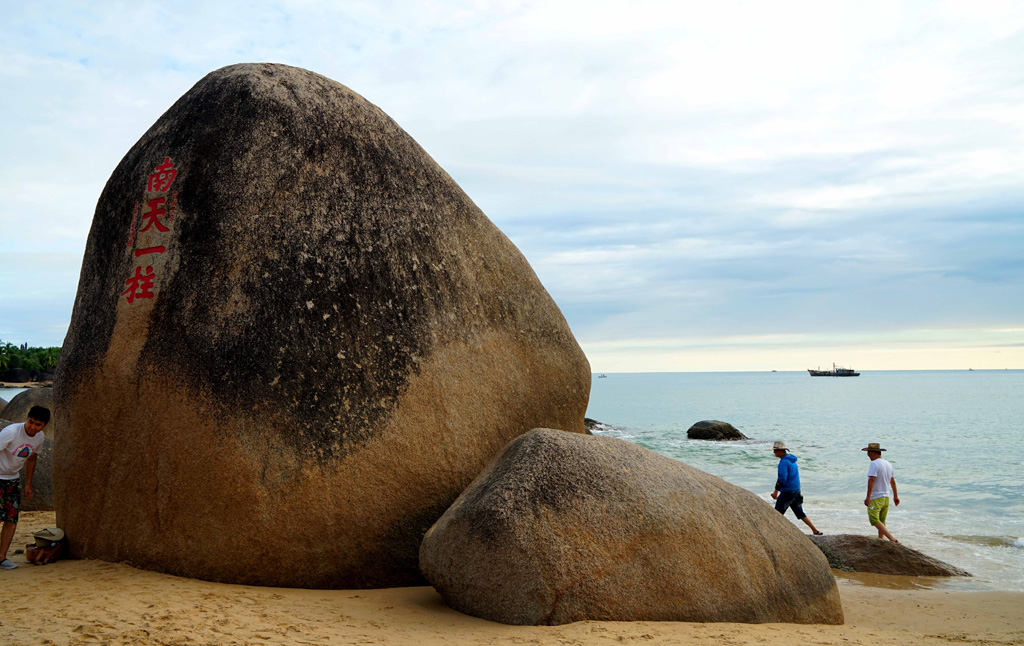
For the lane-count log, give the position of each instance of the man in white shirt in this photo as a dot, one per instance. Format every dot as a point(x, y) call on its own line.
point(19, 444)
point(881, 485)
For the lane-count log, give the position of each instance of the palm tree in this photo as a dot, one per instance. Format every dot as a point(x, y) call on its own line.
point(50, 357)
point(7, 351)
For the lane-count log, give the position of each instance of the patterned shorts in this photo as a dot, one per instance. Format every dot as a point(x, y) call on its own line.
point(10, 500)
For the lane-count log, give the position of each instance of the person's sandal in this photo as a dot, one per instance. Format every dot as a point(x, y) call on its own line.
point(819, 533)
point(7, 564)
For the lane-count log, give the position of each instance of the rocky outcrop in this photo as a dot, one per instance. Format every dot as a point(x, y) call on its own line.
point(3, 402)
point(295, 342)
point(562, 528)
point(714, 430)
point(17, 376)
point(42, 478)
point(856, 553)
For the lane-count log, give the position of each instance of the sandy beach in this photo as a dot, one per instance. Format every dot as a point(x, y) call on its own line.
point(94, 602)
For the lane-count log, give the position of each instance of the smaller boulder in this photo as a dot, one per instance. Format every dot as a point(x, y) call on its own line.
point(856, 553)
point(712, 429)
point(563, 527)
point(3, 402)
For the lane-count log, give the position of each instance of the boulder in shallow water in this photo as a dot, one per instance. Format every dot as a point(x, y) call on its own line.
point(295, 342)
point(711, 429)
point(563, 527)
point(856, 553)
point(42, 478)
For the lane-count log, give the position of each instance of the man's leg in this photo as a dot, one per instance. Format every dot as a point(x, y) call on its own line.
point(811, 525)
point(798, 509)
point(10, 499)
point(878, 510)
point(884, 533)
point(6, 536)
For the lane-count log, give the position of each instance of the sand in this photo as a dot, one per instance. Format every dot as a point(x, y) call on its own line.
point(94, 602)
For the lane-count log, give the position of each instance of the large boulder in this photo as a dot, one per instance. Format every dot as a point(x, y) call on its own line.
point(42, 478)
point(712, 429)
point(562, 528)
point(295, 342)
point(857, 553)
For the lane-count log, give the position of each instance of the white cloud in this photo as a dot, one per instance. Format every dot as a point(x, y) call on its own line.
point(690, 169)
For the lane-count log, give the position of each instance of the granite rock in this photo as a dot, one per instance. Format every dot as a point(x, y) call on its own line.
point(563, 527)
point(295, 341)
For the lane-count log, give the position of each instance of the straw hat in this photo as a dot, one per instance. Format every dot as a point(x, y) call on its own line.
point(873, 446)
point(46, 536)
point(779, 446)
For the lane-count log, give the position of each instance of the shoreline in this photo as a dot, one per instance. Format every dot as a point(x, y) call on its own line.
point(26, 384)
point(74, 602)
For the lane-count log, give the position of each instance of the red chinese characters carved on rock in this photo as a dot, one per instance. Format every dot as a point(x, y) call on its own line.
point(141, 285)
point(162, 177)
point(152, 216)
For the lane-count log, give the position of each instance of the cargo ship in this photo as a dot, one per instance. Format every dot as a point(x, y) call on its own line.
point(834, 372)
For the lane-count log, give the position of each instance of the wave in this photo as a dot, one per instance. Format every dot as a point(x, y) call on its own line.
point(990, 541)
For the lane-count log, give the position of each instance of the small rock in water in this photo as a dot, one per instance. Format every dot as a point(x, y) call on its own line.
point(712, 429)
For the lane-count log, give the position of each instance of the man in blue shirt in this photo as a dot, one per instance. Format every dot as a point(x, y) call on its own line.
point(787, 487)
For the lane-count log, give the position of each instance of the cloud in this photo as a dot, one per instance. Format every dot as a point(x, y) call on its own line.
point(696, 170)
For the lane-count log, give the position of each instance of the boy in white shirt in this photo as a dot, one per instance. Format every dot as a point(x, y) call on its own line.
point(881, 484)
point(19, 444)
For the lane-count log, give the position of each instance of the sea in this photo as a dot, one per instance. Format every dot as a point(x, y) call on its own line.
point(955, 440)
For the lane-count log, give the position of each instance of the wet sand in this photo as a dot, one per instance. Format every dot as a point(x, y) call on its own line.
point(94, 602)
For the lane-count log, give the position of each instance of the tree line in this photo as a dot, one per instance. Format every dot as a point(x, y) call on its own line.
point(28, 358)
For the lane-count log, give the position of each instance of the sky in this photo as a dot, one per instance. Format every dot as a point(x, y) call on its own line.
point(701, 186)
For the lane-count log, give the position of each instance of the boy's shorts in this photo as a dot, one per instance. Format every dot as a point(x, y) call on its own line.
point(10, 500)
point(878, 510)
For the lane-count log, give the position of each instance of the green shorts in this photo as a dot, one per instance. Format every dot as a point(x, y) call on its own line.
point(878, 510)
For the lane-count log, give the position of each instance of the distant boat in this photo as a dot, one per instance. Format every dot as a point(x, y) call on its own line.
point(602, 376)
point(834, 372)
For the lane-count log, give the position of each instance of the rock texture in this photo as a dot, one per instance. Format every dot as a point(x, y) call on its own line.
point(711, 429)
point(295, 342)
point(42, 478)
point(562, 528)
point(855, 553)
